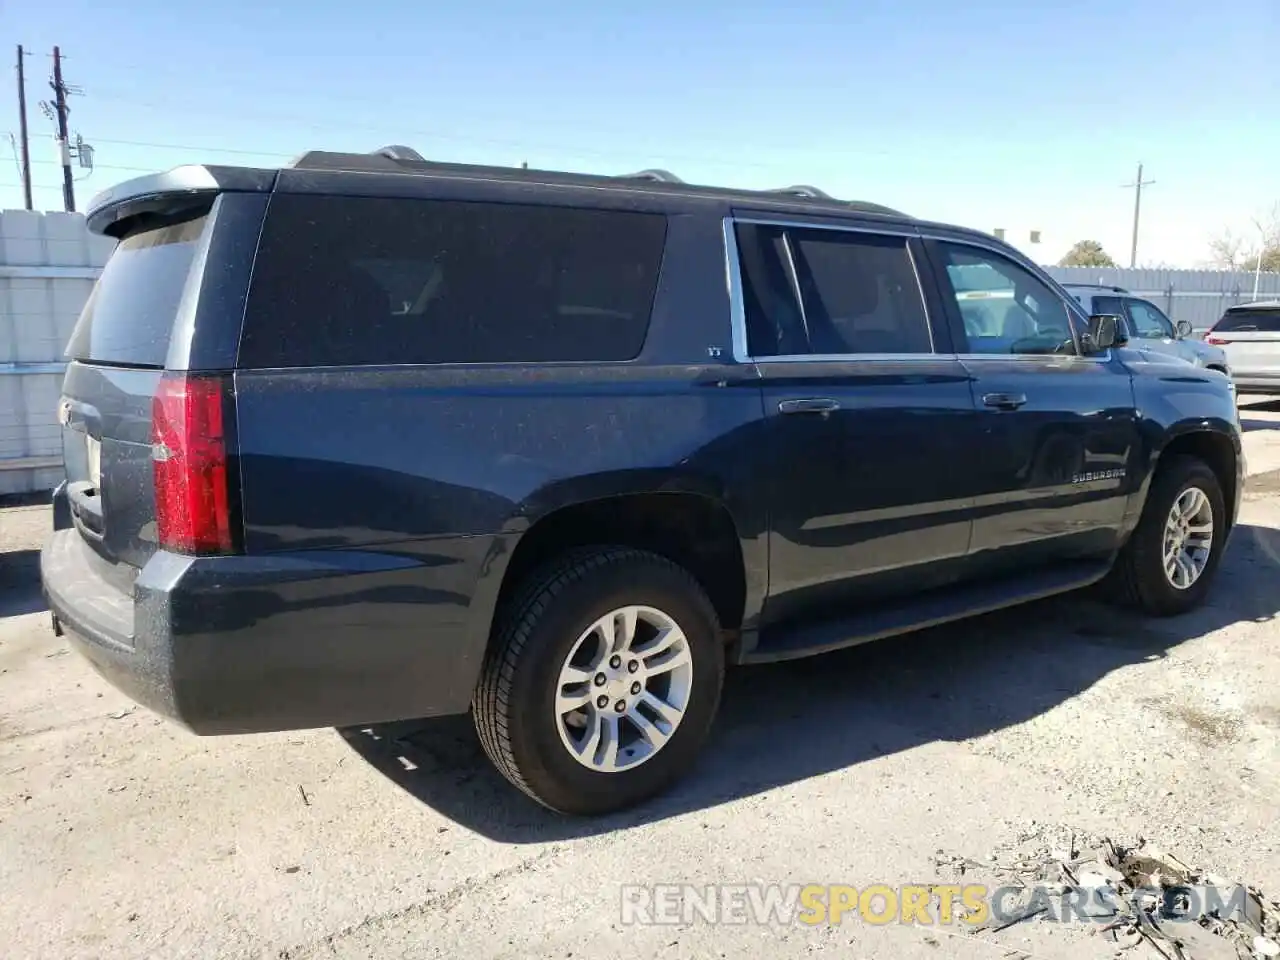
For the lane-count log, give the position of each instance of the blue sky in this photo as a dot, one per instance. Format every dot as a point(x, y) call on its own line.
point(984, 113)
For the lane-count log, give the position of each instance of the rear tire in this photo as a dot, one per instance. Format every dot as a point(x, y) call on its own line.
point(569, 621)
point(1144, 576)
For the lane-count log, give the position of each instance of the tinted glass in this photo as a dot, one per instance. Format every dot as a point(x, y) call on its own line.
point(1109, 305)
point(1248, 321)
point(344, 280)
point(1115, 307)
point(1006, 309)
point(1148, 322)
point(860, 293)
point(774, 327)
point(129, 316)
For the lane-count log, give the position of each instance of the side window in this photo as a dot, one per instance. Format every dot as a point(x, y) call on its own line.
point(1006, 308)
point(774, 325)
point(349, 280)
point(860, 293)
point(1148, 322)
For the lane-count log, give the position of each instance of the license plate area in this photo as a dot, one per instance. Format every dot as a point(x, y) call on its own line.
point(93, 456)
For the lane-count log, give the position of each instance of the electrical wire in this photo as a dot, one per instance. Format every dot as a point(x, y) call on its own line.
point(330, 125)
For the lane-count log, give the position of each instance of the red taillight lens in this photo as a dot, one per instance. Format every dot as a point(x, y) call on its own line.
point(189, 454)
point(1216, 341)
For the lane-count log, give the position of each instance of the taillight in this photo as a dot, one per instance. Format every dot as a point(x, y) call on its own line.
point(189, 455)
point(1215, 340)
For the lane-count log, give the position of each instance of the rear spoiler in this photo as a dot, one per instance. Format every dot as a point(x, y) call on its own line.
point(169, 193)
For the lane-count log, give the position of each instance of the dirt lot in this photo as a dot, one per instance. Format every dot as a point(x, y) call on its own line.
point(122, 836)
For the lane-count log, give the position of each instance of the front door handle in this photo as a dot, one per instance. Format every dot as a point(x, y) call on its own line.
point(1004, 401)
point(809, 405)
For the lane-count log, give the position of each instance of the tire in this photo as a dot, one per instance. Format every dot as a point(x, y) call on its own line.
point(1139, 579)
point(515, 707)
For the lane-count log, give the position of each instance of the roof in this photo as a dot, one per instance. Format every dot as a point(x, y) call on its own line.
point(404, 160)
point(1256, 305)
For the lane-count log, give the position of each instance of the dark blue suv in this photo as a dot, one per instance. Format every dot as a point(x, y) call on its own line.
point(370, 438)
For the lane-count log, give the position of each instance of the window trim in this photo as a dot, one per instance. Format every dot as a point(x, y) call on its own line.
point(737, 300)
point(1072, 309)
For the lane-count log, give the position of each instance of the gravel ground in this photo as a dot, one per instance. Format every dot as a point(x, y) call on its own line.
point(122, 836)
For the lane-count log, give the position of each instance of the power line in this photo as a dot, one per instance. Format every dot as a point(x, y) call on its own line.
point(331, 125)
point(102, 166)
point(190, 146)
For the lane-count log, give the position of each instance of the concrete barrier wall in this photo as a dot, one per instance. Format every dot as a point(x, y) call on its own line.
point(48, 264)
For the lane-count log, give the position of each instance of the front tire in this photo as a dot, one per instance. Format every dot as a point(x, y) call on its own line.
point(1168, 564)
point(602, 681)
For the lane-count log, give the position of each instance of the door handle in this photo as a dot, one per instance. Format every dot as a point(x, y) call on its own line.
point(1004, 401)
point(809, 405)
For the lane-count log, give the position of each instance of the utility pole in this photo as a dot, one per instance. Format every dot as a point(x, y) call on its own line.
point(64, 148)
point(1136, 186)
point(22, 128)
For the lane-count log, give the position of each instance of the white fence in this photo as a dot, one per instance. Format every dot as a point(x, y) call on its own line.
point(48, 263)
point(1197, 296)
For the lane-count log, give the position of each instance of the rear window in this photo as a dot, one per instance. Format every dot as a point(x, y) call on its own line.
point(130, 313)
point(1248, 321)
point(346, 280)
point(1108, 305)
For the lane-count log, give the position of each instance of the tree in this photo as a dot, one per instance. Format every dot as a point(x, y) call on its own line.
point(1087, 253)
point(1270, 260)
point(1232, 250)
point(1226, 250)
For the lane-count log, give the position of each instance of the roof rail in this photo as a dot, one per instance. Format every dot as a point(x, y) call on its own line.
point(803, 190)
point(396, 151)
point(654, 174)
point(866, 206)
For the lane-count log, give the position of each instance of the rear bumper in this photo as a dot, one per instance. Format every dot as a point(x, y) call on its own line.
point(253, 644)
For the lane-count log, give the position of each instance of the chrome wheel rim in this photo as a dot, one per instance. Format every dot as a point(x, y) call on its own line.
point(623, 689)
point(1188, 538)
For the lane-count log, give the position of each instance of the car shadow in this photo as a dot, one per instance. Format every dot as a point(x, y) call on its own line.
point(1248, 425)
point(20, 583)
point(783, 723)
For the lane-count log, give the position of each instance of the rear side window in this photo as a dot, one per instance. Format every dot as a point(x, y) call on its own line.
point(130, 314)
point(1108, 305)
point(1249, 321)
point(774, 324)
point(345, 280)
point(860, 293)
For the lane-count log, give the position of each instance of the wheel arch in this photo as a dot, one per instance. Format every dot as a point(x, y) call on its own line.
point(1218, 448)
point(688, 518)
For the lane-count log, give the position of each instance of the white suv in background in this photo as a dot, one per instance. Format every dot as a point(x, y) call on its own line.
point(1249, 335)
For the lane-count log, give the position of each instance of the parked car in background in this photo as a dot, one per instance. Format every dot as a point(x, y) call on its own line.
point(1147, 327)
point(1249, 335)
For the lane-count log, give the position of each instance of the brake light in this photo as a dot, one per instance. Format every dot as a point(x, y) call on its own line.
point(189, 459)
point(1215, 340)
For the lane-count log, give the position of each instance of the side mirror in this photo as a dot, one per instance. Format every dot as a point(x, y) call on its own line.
point(1183, 328)
point(1105, 332)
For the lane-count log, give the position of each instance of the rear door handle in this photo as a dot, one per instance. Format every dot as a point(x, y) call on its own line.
point(809, 405)
point(1004, 401)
